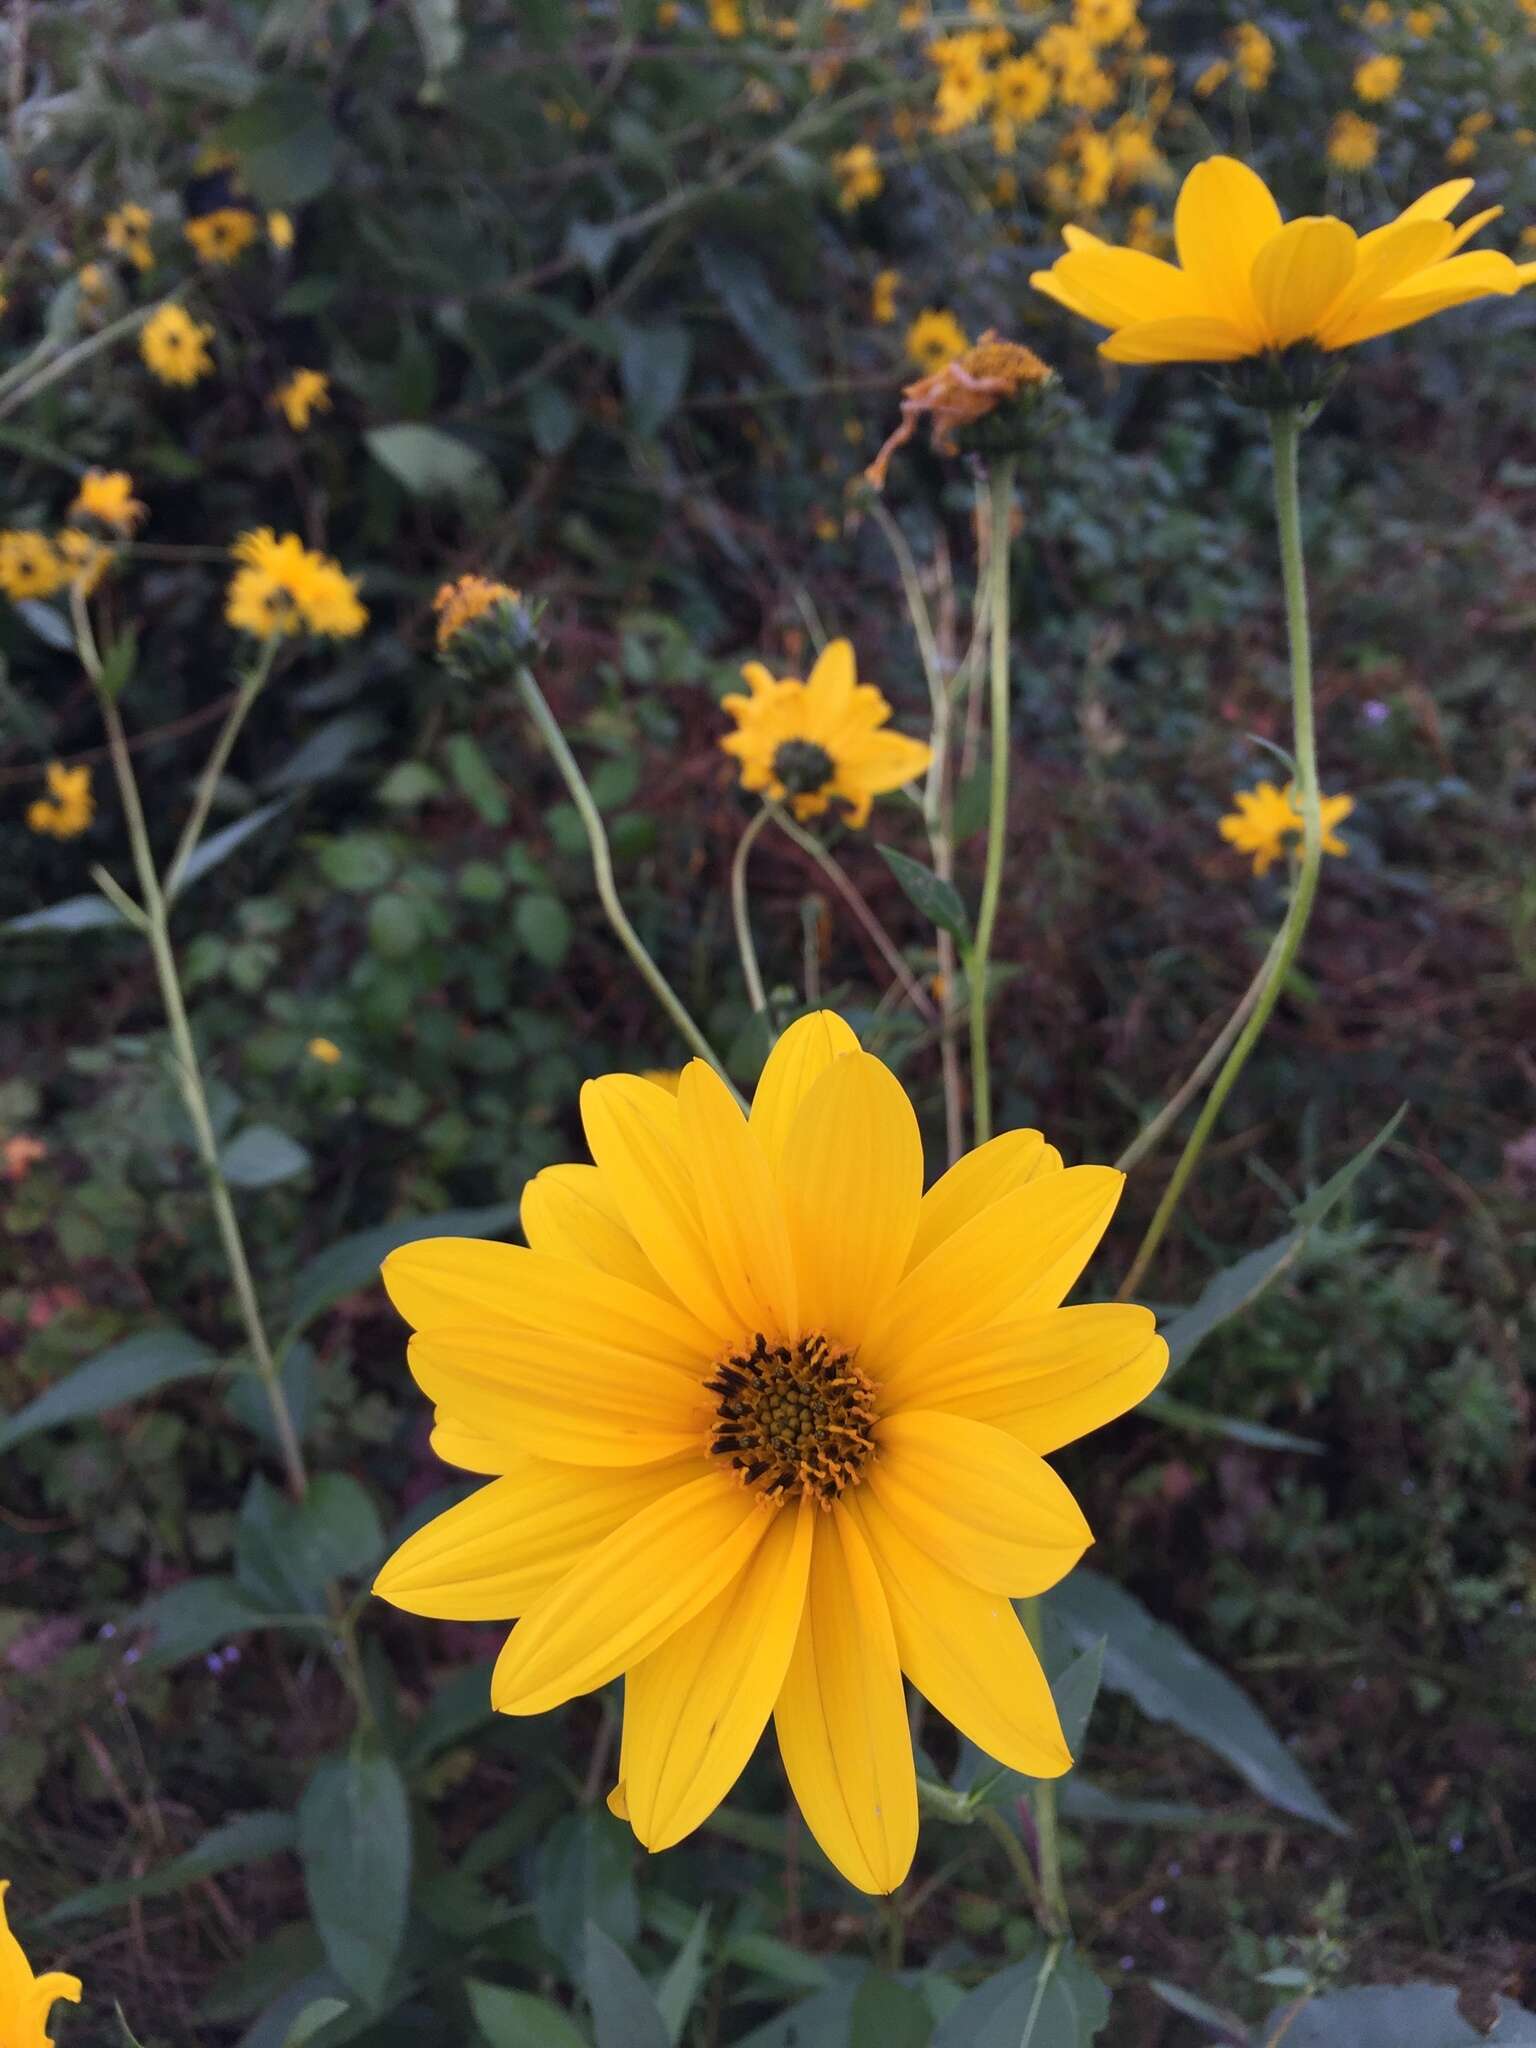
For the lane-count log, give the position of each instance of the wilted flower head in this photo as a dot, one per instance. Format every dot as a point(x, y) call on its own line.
point(106, 495)
point(484, 627)
point(283, 588)
point(64, 812)
point(86, 559)
point(987, 394)
point(25, 1998)
point(175, 346)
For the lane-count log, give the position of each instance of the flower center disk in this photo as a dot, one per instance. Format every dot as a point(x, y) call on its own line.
point(803, 767)
point(793, 1418)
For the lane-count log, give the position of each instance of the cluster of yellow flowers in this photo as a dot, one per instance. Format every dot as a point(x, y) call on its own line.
point(35, 565)
point(282, 588)
point(68, 807)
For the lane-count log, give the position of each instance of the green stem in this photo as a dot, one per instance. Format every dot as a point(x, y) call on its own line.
point(19, 386)
point(741, 916)
point(602, 870)
point(1051, 1909)
point(979, 958)
point(1017, 1854)
point(208, 782)
point(1285, 428)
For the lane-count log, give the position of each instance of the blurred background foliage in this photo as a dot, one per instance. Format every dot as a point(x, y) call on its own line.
point(608, 309)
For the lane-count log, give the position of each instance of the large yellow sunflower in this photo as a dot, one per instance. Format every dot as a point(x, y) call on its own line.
point(815, 741)
point(1248, 283)
point(768, 1426)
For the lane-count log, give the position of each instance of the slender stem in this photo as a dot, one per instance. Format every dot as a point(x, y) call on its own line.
point(1151, 1132)
point(1017, 1854)
point(741, 915)
point(17, 388)
point(208, 782)
point(1285, 428)
point(602, 870)
point(1051, 1907)
point(849, 890)
point(979, 959)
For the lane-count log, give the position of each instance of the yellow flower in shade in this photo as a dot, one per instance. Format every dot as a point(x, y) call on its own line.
point(935, 338)
point(859, 176)
point(882, 297)
point(768, 1428)
point(301, 396)
point(86, 559)
point(280, 231)
point(1254, 56)
point(325, 1050)
point(1459, 151)
point(1352, 142)
point(282, 587)
point(95, 286)
point(1104, 21)
point(1021, 90)
point(1074, 61)
point(725, 19)
point(965, 82)
point(223, 236)
point(1267, 823)
point(470, 597)
point(175, 346)
point(1248, 285)
point(64, 813)
point(126, 234)
point(1377, 78)
point(1421, 21)
point(106, 495)
point(25, 1998)
point(30, 565)
point(810, 743)
point(994, 378)
point(1212, 78)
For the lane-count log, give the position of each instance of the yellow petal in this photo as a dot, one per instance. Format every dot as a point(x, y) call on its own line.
point(975, 1182)
point(965, 1650)
point(1224, 215)
point(453, 1281)
point(1480, 274)
point(1181, 341)
point(1382, 260)
point(977, 1500)
point(564, 1398)
point(792, 1069)
point(1468, 228)
point(852, 1176)
point(841, 1718)
point(568, 1213)
point(635, 1133)
point(830, 687)
point(1440, 201)
point(1047, 1381)
point(1017, 1258)
point(1298, 274)
point(739, 1202)
point(628, 1594)
point(694, 1709)
point(883, 761)
point(469, 1450)
point(1118, 287)
point(490, 1557)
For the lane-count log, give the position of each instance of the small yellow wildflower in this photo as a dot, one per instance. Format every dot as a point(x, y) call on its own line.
point(1528, 236)
point(305, 393)
point(1144, 232)
point(1135, 155)
point(1477, 123)
point(882, 297)
point(914, 15)
point(1460, 150)
point(63, 813)
point(1021, 89)
point(106, 495)
point(859, 176)
point(126, 234)
point(1212, 78)
point(965, 82)
point(1352, 142)
point(1267, 823)
point(725, 19)
point(1254, 54)
point(224, 235)
point(936, 338)
point(86, 559)
point(280, 231)
point(282, 588)
point(1421, 21)
point(95, 286)
point(325, 1050)
point(457, 604)
point(175, 346)
point(24, 1997)
point(1377, 14)
point(1103, 21)
point(29, 565)
point(1378, 77)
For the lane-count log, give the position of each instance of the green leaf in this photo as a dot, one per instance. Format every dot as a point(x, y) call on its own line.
point(756, 309)
point(553, 420)
point(74, 914)
point(1225, 2025)
point(125, 1372)
point(889, 2015)
point(249, 1838)
point(317, 2014)
point(395, 926)
point(1051, 2000)
point(117, 664)
point(327, 750)
point(432, 464)
point(1170, 1681)
point(358, 862)
point(680, 1987)
point(285, 143)
point(287, 1551)
point(50, 626)
point(653, 370)
point(543, 924)
point(1398, 2016)
point(355, 1842)
point(1316, 1206)
point(1082, 1800)
point(261, 1156)
point(190, 56)
point(516, 2019)
point(821, 2021)
point(353, 1262)
point(477, 780)
point(223, 843)
point(1203, 1422)
point(584, 1871)
point(189, 1618)
point(938, 900)
point(623, 2011)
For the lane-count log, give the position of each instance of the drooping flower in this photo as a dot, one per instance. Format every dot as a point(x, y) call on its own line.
point(25, 1998)
point(1248, 285)
point(1352, 141)
point(993, 382)
point(935, 338)
point(223, 236)
point(767, 1427)
point(126, 234)
point(1268, 823)
point(282, 587)
point(301, 396)
point(1378, 77)
point(29, 565)
point(106, 495)
point(859, 176)
point(175, 346)
point(68, 808)
point(811, 743)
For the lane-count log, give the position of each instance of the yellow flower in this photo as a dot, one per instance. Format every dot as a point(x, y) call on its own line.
point(1021, 89)
point(175, 346)
point(1212, 78)
point(280, 231)
point(1460, 151)
point(1421, 21)
point(126, 233)
point(725, 18)
point(222, 236)
point(63, 813)
point(456, 604)
point(29, 565)
point(95, 285)
point(936, 338)
point(810, 743)
point(1144, 232)
point(996, 377)
point(1378, 77)
point(1478, 123)
point(882, 297)
point(1267, 820)
point(86, 559)
point(1352, 142)
point(1104, 21)
point(1528, 237)
point(1255, 55)
point(283, 587)
point(305, 393)
point(768, 1428)
point(24, 1997)
point(325, 1050)
point(1247, 285)
point(107, 495)
point(1377, 14)
point(859, 176)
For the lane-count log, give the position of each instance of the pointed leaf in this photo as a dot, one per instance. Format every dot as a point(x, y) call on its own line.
point(355, 1841)
point(623, 2011)
point(249, 1838)
point(938, 900)
point(1050, 2000)
point(126, 1372)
